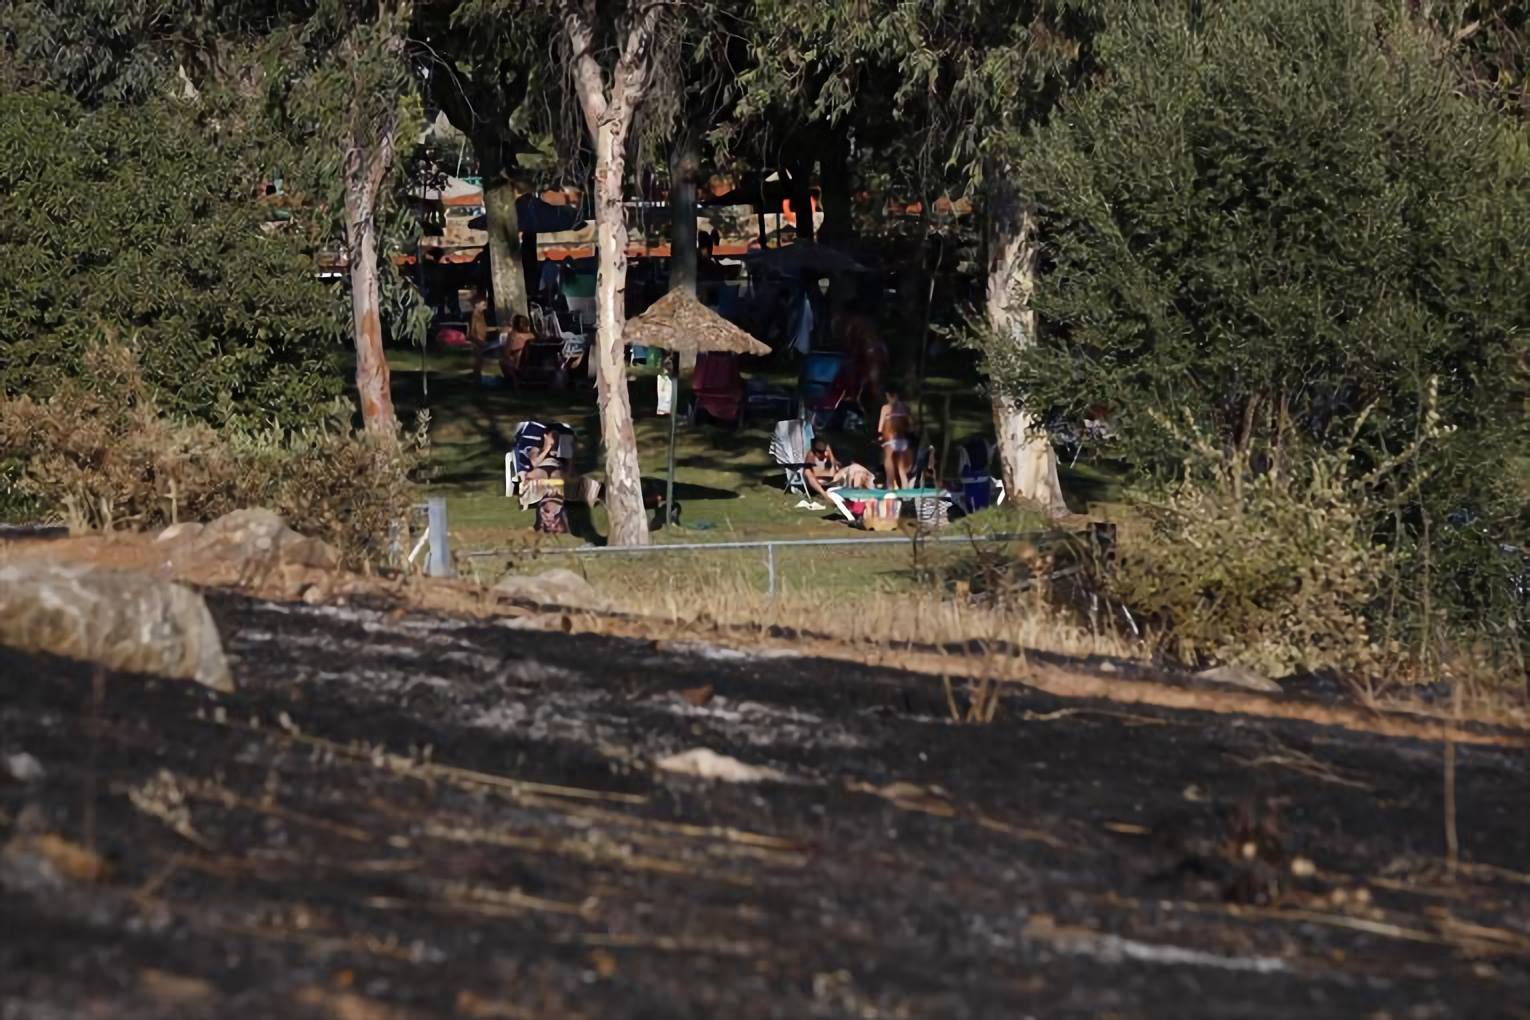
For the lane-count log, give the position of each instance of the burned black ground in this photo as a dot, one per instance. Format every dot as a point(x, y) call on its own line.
point(413, 815)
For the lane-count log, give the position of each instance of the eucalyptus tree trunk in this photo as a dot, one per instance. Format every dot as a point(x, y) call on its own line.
point(506, 274)
point(365, 169)
point(1028, 460)
point(838, 203)
point(801, 193)
point(609, 119)
point(684, 166)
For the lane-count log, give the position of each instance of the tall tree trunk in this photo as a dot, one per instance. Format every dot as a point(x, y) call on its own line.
point(834, 181)
point(506, 273)
point(802, 197)
point(609, 117)
point(531, 270)
point(684, 165)
point(1026, 454)
point(364, 170)
point(624, 480)
point(373, 385)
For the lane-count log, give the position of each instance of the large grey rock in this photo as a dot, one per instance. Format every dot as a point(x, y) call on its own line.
point(248, 543)
point(557, 587)
point(128, 622)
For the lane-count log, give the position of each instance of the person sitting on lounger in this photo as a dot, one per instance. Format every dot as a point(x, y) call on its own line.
point(822, 468)
point(545, 466)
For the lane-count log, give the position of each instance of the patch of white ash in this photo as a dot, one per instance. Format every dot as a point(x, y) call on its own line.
point(719, 653)
point(760, 725)
point(576, 716)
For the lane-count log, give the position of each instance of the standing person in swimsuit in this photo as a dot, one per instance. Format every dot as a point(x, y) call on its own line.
point(478, 333)
point(514, 351)
point(893, 428)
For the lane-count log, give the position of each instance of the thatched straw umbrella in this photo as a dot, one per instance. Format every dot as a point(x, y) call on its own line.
point(678, 322)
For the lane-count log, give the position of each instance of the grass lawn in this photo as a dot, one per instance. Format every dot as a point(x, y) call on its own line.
point(726, 483)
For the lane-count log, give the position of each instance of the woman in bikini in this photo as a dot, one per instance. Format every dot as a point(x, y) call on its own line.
point(893, 428)
point(514, 351)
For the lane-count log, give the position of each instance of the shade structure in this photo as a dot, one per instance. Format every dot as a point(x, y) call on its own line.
point(680, 323)
point(535, 215)
point(804, 257)
point(751, 191)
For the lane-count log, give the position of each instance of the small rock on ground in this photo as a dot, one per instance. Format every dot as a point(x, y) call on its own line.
point(708, 764)
point(21, 767)
point(1238, 676)
point(558, 587)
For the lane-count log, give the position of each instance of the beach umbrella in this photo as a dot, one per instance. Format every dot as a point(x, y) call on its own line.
point(679, 323)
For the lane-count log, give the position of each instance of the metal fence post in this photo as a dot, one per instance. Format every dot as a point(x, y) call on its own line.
point(770, 569)
point(440, 561)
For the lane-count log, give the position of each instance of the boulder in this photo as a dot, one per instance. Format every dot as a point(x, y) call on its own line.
point(128, 622)
point(1238, 676)
point(259, 534)
point(557, 587)
point(246, 545)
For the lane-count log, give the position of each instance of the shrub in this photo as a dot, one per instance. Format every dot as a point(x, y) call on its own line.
point(101, 452)
point(1271, 570)
point(1269, 213)
point(132, 220)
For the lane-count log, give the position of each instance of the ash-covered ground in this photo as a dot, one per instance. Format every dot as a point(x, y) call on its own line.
point(410, 815)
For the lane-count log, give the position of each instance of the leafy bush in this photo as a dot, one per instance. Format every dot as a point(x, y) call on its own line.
point(1271, 214)
point(133, 221)
point(1274, 569)
point(103, 453)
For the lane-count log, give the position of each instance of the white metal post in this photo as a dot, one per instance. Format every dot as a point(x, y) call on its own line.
point(440, 561)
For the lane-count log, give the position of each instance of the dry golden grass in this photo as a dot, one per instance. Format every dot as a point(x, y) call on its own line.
point(875, 617)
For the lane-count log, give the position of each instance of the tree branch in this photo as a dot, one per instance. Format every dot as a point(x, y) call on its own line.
point(578, 18)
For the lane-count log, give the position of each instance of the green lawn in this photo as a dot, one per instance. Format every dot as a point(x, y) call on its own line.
point(726, 483)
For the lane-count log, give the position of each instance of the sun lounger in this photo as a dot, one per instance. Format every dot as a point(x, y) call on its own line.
point(843, 497)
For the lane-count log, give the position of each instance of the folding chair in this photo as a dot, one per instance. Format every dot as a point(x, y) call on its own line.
point(789, 444)
point(974, 458)
point(717, 388)
point(826, 387)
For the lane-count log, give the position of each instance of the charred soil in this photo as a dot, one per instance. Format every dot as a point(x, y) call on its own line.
point(410, 814)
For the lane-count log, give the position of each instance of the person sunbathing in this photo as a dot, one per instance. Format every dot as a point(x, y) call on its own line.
point(855, 476)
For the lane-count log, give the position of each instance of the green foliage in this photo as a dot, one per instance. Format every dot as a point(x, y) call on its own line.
point(103, 453)
point(952, 82)
point(103, 50)
point(1261, 562)
point(131, 222)
point(1277, 213)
